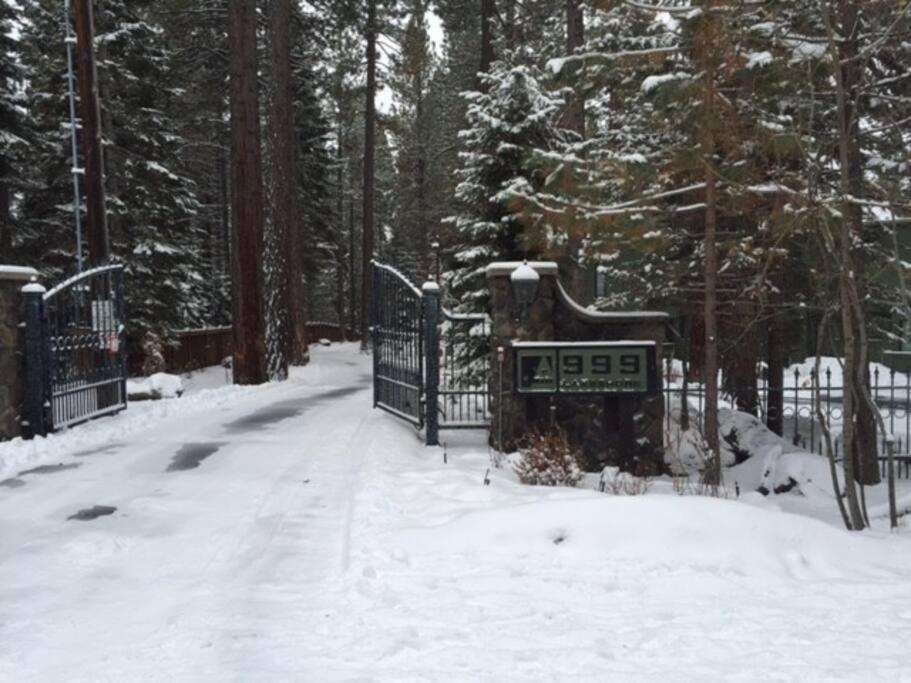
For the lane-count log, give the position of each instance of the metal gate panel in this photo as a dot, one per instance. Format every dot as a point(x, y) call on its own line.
point(398, 345)
point(464, 393)
point(86, 347)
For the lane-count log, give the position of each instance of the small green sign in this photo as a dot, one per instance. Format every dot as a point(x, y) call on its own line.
point(586, 368)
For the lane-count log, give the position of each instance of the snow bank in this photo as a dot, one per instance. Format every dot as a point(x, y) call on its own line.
point(155, 387)
point(654, 534)
point(755, 458)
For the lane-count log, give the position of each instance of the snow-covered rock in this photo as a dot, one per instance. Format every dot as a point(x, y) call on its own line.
point(754, 457)
point(155, 387)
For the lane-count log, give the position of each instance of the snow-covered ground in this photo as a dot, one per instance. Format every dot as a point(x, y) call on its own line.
point(290, 533)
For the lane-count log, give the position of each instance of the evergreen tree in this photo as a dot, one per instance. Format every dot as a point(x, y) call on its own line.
point(195, 39)
point(45, 237)
point(509, 126)
point(14, 132)
point(151, 206)
point(419, 188)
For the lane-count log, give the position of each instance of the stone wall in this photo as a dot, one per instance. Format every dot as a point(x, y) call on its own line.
point(12, 279)
point(623, 431)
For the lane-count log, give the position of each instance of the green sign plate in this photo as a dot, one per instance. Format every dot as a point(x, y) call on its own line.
point(585, 368)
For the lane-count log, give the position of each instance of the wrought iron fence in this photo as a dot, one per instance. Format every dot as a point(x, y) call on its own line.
point(803, 397)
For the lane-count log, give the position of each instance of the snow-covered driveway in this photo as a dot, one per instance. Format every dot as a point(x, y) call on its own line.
point(225, 520)
point(289, 533)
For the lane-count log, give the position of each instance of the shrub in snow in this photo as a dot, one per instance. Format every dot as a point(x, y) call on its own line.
point(546, 458)
point(153, 354)
point(619, 483)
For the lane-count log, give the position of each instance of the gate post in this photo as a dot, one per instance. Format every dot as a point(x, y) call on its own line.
point(34, 416)
point(431, 292)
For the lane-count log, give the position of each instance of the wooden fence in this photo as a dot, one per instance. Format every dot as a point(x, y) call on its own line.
point(203, 348)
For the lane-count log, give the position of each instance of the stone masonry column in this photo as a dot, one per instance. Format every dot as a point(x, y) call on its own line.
point(519, 412)
point(626, 431)
point(12, 279)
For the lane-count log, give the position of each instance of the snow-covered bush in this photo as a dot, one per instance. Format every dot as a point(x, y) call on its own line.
point(158, 386)
point(153, 354)
point(547, 458)
point(618, 483)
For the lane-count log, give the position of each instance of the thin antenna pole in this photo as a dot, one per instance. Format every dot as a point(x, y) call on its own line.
point(76, 171)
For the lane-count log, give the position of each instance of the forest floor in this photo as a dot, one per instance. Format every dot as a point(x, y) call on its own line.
point(290, 533)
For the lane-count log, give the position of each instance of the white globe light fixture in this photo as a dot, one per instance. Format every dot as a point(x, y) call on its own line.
point(524, 280)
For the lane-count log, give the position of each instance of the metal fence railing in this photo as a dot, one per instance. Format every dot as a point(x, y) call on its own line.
point(802, 397)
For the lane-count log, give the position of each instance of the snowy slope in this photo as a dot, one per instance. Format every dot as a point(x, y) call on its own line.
point(290, 533)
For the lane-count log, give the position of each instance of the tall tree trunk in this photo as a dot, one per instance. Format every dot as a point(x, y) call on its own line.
point(340, 225)
point(369, 172)
point(225, 214)
point(713, 468)
point(283, 153)
point(96, 226)
point(423, 222)
point(865, 424)
point(775, 361)
point(487, 52)
point(741, 358)
point(352, 268)
point(849, 321)
point(246, 196)
point(6, 228)
point(574, 119)
point(575, 38)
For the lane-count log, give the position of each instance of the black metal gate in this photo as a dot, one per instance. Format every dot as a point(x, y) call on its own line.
point(398, 345)
point(430, 366)
point(76, 350)
point(464, 370)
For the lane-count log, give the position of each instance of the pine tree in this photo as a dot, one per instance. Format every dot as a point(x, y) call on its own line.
point(151, 205)
point(509, 125)
point(14, 132)
point(45, 237)
point(419, 188)
point(195, 39)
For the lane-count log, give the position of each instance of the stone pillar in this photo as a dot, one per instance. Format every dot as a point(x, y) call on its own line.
point(519, 412)
point(12, 279)
point(626, 431)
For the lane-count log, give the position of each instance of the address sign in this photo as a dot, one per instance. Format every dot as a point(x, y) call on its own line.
point(627, 367)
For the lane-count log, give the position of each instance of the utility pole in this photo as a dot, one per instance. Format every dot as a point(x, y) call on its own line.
point(96, 223)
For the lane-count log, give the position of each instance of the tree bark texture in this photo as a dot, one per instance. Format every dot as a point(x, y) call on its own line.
point(865, 423)
point(369, 172)
point(776, 364)
point(574, 119)
point(6, 228)
point(487, 51)
point(283, 154)
point(849, 322)
point(340, 225)
point(713, 468)
point(575, 38)
point(246, 196)
point(96, 226)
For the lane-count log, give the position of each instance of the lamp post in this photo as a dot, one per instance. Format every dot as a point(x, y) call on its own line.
point(524, 281)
